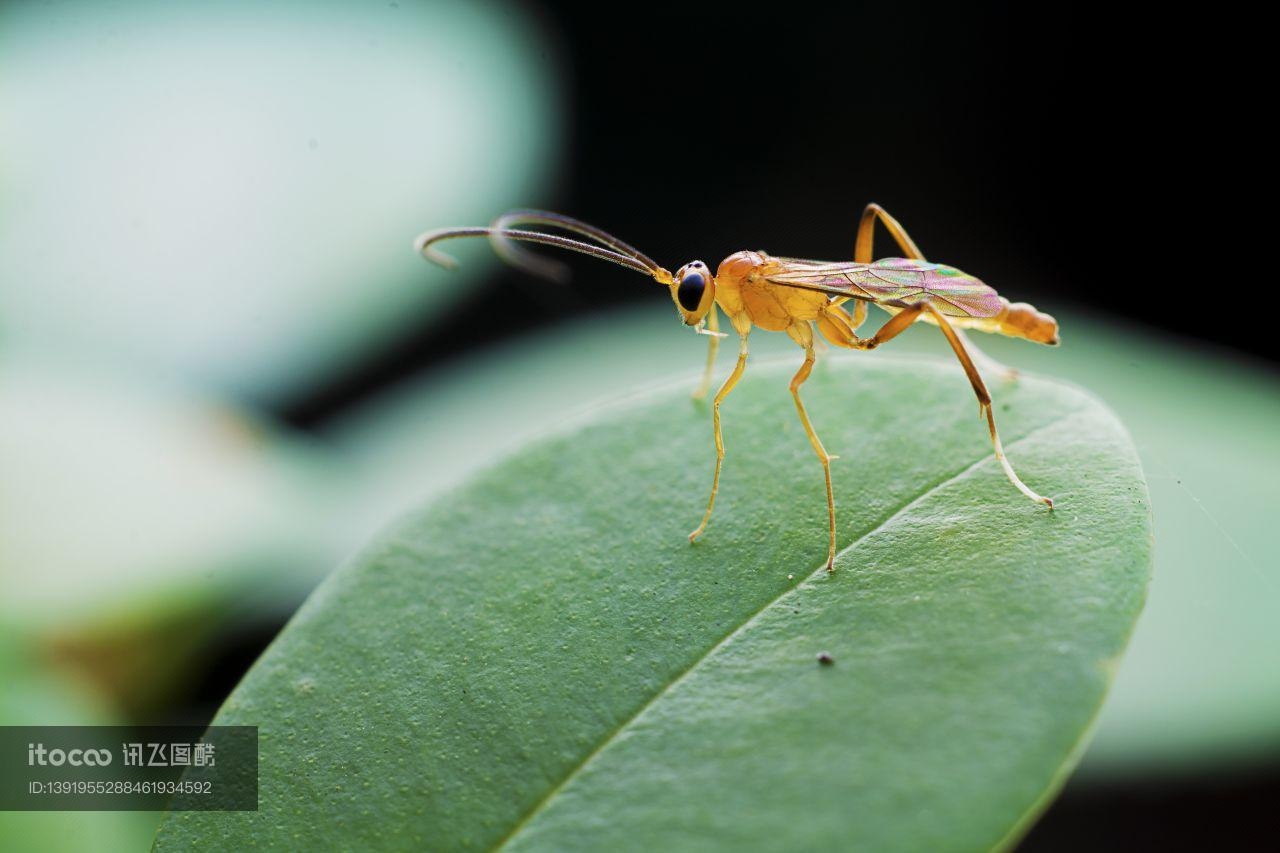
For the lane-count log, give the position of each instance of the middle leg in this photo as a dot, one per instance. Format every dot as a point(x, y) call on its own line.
point(802, 334)
point(712, 331)
point(864, 252)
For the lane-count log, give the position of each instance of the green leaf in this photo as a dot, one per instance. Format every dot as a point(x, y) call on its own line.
point(1201, 682)
point(541, 658)
point(1202, 419)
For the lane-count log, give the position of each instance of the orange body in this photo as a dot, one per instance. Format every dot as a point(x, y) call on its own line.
point(748, 298)
point(739, 290)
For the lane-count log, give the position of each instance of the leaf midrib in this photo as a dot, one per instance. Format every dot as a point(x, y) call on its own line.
point(538, 807)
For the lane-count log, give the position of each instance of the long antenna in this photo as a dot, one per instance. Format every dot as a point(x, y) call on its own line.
point(613, 250)
point(538, 265)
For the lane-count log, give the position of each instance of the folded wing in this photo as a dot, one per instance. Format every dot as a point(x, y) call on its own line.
point(896, 282)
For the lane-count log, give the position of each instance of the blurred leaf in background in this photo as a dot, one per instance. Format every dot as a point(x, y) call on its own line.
point(117, 494)
point(131, 514)
point(226, 192)
point(31, 695)
point(206, 210)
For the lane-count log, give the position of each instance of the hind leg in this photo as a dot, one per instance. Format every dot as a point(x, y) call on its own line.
point(904, 318)
point(864, 253)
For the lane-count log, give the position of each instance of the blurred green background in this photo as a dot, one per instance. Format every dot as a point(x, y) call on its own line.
point(222, 367)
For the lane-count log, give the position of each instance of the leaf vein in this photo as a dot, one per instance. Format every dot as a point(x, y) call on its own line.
point(618, 731)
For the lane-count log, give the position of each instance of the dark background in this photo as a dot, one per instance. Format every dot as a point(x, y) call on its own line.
point(1071, 156)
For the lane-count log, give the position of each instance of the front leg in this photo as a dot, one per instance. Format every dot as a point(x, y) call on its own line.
point(713, 346)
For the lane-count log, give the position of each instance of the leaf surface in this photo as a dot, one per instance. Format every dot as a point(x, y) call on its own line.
point(540, 659)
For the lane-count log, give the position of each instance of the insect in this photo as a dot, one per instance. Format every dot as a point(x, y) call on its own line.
point(793, 295)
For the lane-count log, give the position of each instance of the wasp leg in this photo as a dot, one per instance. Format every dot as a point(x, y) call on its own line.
point(802, 334)
point(836, 325)
point(713, 347)
point(898, 322)
point(984, 404)
point(863, 248)
point(715, 418)
point(863, 253)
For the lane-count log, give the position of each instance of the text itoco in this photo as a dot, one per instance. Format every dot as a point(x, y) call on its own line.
point(37, 754)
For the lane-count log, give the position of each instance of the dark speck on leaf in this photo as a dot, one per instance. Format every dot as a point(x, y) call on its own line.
point(825, 658)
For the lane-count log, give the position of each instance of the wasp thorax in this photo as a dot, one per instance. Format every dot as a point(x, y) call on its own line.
point(739, 265)
point(693, 289)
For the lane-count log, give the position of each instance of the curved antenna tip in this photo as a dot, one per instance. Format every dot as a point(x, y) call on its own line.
point(422, 247)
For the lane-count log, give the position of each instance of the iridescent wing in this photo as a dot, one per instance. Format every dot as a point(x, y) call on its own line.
point(892, 281)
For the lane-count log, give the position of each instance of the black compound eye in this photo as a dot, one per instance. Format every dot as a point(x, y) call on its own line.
point(689, 293)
